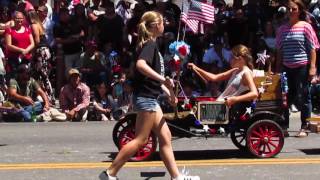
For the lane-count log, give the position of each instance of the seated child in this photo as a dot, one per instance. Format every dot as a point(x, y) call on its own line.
point(103, 102)
point(240, 77)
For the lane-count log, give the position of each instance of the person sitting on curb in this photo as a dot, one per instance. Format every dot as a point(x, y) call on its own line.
point(75, 97)
point(24, 91)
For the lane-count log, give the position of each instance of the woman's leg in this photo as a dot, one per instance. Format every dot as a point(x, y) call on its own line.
point(144, 123)
point(161, 129)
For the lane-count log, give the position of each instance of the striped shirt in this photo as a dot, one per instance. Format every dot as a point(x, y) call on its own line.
point(295, 43)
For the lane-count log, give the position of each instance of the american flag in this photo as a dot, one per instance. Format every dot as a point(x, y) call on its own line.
point(201, 11)
point(191, 23)
point(194, 12)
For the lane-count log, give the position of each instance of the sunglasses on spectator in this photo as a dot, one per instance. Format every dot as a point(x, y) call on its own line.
point(293, 9)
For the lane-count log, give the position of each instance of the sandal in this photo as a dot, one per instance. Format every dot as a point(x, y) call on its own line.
point(302, 133)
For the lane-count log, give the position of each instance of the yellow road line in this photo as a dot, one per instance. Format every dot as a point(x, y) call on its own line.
point(224, 162)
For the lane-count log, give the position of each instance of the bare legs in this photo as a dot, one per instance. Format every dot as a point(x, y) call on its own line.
point(163, 133)
point(147, 121)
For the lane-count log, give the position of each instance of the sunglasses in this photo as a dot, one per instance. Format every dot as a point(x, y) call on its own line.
point(293, 9)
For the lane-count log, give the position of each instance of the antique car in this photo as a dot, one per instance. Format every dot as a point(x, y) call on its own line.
point(257, 127)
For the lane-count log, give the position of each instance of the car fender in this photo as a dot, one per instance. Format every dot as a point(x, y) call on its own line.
point(267, 115)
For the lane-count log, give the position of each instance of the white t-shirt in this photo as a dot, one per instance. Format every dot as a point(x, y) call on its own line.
point(49, 14)
point(211, 56)
point(48, 25)
point(2, 69)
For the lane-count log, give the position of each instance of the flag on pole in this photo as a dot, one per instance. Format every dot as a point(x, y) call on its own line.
point(201, 11)
point(191, 23)
point(195, 12)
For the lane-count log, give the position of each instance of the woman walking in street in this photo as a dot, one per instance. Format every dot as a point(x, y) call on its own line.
point(149, 82)
point(296, 43)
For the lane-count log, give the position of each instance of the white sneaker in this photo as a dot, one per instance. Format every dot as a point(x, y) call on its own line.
point(105, 176)
point(187, 177)
point(104, 117)
point(184, 175)
point(293, 108)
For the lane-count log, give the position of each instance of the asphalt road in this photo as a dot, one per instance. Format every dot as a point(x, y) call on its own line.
point(81, 151)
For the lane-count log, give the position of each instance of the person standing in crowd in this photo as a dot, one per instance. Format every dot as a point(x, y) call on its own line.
point(297, 42)
point(49, 8)
point(110, 28)
point(37, 28)
point(69, 35)
point(81, 19)
point(217, 58)
point(19, 43)
point(75, 97)
point(23, 92)
point(147, 87)
point(94, 10)
point(47, 24)
point(237, 29)
point(92, 69)
point(5, 19)
point(124, 9)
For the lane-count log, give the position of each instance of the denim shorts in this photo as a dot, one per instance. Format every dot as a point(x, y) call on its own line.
point(145, 104)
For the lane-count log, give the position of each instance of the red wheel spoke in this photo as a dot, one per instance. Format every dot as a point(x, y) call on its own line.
point(266, 130)
point(268, 146)
point(272, 139)
point(261, 131)
point(254, 139)
point(256, 133)
point(264, 148)
point(255, 145)
point(275, 133)
point(274, 145)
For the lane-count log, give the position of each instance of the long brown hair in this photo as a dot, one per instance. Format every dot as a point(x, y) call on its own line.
point(34, 19)
point(302, 9)
point(148, 20)
point(244, 52)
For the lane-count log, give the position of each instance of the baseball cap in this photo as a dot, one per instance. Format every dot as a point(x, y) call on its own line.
point(73, 71)
point(23, 68)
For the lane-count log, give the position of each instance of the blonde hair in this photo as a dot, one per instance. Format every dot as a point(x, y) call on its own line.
point(34, 19)
point(148, 20)
point(244, 52)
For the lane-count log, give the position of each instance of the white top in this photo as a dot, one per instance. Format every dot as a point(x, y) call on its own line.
point(2, 69)
point(234, 86)
point(211, 56)
point(48, 25)
point(50, 12)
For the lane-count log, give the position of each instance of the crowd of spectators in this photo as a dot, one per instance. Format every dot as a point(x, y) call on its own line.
point(84, 49)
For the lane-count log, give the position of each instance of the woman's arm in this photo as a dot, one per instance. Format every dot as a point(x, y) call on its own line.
point(313, 69)
point(146, 70)
point(171, 95)
point(247, 80)
point(9, 45)
point(212, 77)
point(31, 46)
